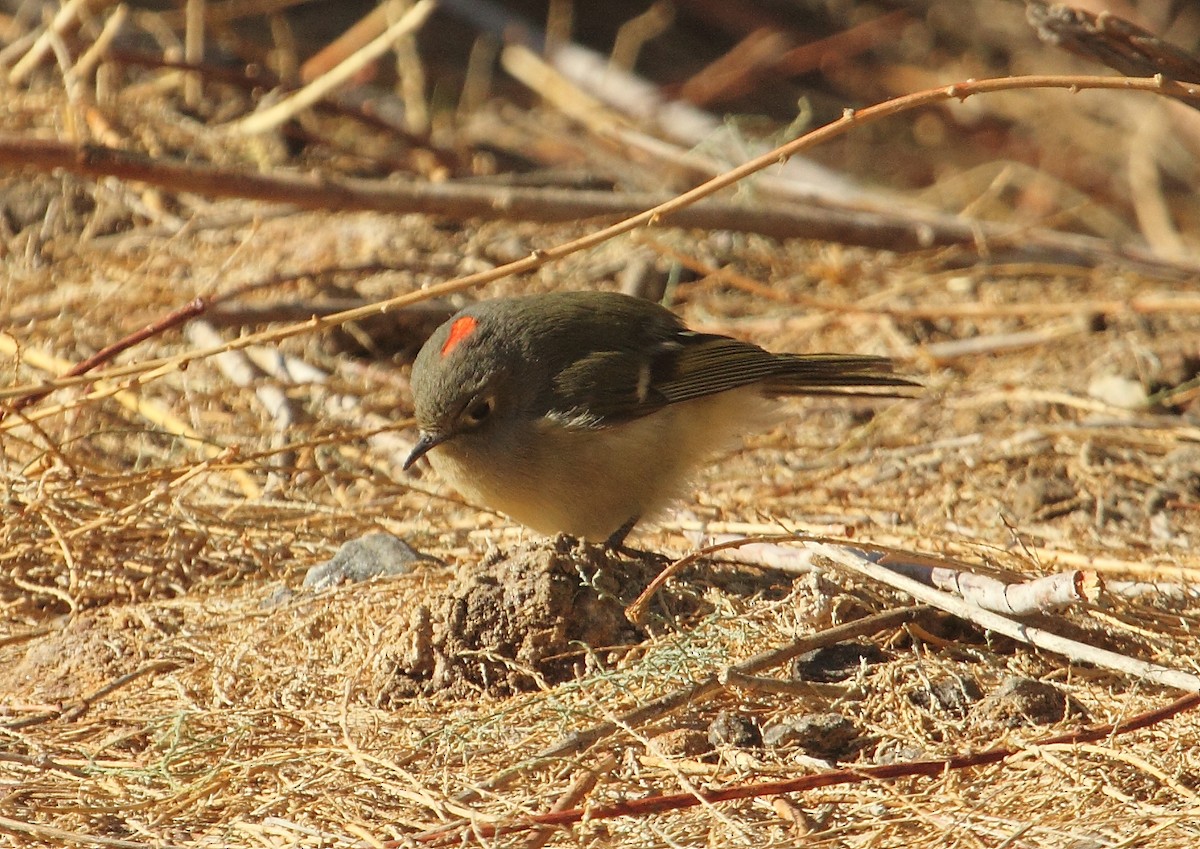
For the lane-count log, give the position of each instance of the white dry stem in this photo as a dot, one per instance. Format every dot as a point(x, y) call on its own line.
point(1070, 649)
point(283, 111)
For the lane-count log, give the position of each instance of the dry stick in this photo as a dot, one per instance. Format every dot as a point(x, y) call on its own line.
point(323, 193)
point(1016, 597)
point(147, 408)
point(358, 36)
point(854, 775)
point(350, 103)
point(97, 50)
point(891, 543)
point(193, 50)
point(79, 707)
point(579, 788)
point(174, 319)
point(316, 90)
point(463, 201)
point(942, 353)
point(580, 740)
point(884, 229)
point(61, 837)
point(1114, 41)
point(718, 81)
point(1070, 649)
point(67, 15)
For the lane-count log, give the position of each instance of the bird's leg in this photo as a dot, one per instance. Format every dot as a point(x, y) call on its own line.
point(616, 540)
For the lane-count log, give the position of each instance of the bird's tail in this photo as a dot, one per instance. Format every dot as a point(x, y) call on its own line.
point(836, 374)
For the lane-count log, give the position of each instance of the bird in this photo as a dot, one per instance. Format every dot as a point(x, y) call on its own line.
point(584, 412)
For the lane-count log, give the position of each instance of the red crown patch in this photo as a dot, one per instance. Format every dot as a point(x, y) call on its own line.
point(459, 330)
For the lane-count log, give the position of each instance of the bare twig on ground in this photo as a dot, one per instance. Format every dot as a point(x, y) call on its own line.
point(76, 709)
point(881, 772)
point(107, 353)
point(574, 794)
point(66, 17)
point(320, 87)
point(1041, 638)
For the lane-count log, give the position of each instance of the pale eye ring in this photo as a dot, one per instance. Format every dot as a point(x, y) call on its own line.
point(478, 410)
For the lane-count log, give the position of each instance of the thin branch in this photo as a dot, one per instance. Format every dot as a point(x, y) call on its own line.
point(51, 155)
point(1071, 649)
point(107, 353)
point(852, 775)
point(79, 707)
point(316, 90)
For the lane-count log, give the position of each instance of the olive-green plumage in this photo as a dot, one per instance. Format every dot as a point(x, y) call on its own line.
point(581, 412)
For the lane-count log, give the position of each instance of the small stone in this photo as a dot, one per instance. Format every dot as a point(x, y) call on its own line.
point(1019, 702)
point(821, 735)
point(835, 663)
point(366, 557)
point(729, 729)
point(1118, 391)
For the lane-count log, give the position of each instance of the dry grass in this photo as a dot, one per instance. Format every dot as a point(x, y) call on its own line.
point(165, 679)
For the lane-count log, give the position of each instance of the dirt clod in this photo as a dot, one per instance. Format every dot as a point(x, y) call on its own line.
point(730, 729)
point(682, 743)
point(822, 735)
point(1025, 701)
point(952, 694)
point(835, 663)
point(544, 613)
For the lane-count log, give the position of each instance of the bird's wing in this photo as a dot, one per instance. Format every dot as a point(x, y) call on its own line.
point(705, 363)
point(628, 384)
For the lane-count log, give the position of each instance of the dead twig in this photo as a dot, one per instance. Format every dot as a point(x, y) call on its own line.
point(579, 788)
point(853, 775)
point(1113, 41)
point(80, 706)
point(104, 355)
point(316, 90)
point(1071, 649)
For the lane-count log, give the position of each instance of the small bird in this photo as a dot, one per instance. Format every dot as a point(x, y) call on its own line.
point(583, 412)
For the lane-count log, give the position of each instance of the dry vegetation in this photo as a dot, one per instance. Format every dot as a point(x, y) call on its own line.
point(166, 678)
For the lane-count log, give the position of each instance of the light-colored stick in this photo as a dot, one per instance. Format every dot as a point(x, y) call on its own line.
point(270, 118)
point(1071, 649)
point(62, 19)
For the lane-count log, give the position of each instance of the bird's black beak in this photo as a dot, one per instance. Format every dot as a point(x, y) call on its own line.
point(424, 444)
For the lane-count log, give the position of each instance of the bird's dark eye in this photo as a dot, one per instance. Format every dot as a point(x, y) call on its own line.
point(478, 410)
